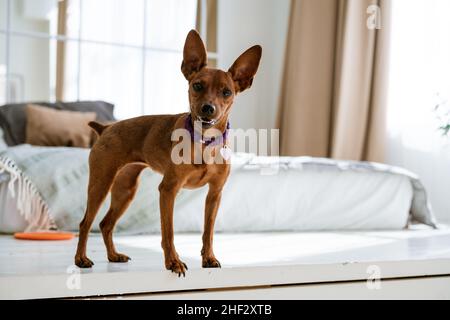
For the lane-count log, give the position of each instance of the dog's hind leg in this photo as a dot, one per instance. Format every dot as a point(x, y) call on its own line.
point(122, 193)
point(100, 180)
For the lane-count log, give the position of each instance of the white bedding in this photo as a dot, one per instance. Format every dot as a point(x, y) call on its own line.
point(300, 201)
point(10, 219)
point(299, 194)
point(305, 200)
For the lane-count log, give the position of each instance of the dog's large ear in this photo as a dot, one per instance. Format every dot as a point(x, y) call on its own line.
point(194, 55)
point(244, 68)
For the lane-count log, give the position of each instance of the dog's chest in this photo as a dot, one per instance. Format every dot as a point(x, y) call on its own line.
point(203, 174)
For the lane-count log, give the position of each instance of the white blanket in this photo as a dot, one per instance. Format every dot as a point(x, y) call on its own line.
point(306, 193)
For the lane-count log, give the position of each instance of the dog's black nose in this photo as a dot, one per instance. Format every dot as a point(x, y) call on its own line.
point(208, 110)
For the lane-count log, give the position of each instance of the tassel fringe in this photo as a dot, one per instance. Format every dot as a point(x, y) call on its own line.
point(30, 204)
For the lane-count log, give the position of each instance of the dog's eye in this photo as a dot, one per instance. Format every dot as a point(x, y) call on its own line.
point(197, 87)
point(226, 92)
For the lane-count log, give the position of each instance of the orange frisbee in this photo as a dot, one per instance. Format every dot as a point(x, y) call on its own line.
point(45, 235)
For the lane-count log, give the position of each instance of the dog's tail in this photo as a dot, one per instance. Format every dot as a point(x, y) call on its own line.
point(98, 127)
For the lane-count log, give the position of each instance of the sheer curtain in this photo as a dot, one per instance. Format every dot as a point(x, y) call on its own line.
point(419, 79)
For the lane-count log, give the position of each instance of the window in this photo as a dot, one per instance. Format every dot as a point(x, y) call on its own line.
point(127, 52)
point(419, 79)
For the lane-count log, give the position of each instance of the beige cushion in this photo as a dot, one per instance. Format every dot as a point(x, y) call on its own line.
point(50, 127)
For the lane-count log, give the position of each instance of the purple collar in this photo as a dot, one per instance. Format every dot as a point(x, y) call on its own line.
point(197, 136)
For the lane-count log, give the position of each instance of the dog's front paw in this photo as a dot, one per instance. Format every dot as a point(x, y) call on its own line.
point(118, 257)
point(211, 262)
point(177, 266)
point(83, 262)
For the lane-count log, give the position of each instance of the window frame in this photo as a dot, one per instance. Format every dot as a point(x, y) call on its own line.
point(9, 32)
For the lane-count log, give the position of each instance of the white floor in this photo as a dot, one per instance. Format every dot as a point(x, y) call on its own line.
point(32, 269)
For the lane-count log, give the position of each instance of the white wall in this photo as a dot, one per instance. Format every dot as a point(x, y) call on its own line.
point(2, 53)
point(29, 57)
point(420, 68)
point(241, 24)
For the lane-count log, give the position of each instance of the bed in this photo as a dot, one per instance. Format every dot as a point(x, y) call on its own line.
point(310, 194)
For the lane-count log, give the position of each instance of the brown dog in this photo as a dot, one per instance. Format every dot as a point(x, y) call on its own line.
point(125, 148)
